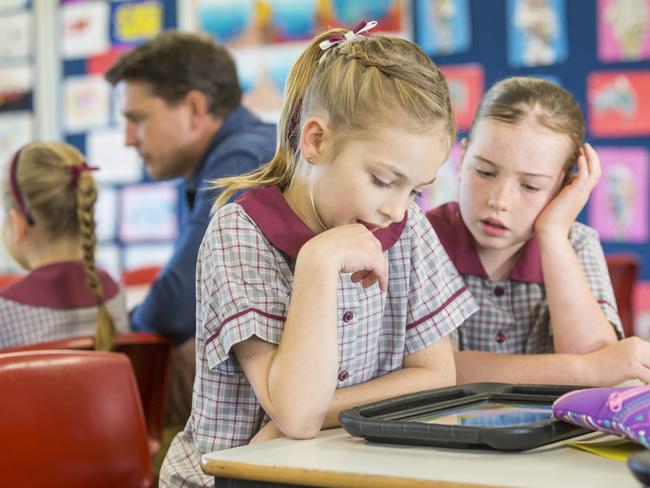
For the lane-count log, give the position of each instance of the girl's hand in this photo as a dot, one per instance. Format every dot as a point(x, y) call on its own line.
point(350, 249)
point(558, 215)
point(628, 359)
point(266, 433)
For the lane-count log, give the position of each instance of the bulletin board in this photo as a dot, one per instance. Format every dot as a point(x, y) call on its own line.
point(137, 219)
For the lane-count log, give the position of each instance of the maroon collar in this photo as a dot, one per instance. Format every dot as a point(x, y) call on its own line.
point(459, 244)
point(285, 230)
point(58, 285)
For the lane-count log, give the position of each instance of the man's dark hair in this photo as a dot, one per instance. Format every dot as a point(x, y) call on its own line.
point(174, 63)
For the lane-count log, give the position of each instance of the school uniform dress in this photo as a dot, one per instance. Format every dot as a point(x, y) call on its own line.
point(53, 302)
point(513, 316)
point(244, 282)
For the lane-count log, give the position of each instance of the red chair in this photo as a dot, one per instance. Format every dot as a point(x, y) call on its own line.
point(149, 355)
point(140, 276)
point(10, 279)
point(71, 419)
point(624, 272)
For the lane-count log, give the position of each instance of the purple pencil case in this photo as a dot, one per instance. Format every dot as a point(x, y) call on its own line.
point(622, 411)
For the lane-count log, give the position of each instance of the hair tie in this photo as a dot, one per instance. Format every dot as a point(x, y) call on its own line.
point(77, 169)
point(361, 30)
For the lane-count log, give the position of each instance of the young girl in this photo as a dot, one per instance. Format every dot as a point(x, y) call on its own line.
point(540, 277)
point(49, 229)
point(324, 287)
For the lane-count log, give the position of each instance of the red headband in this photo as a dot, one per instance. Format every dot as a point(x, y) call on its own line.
point(15, 191)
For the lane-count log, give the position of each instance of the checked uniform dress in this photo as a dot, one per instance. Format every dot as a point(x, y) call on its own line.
point(244, 281)
point(513, 315)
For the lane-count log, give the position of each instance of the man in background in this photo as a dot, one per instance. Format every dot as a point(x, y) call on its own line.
point(181, 98)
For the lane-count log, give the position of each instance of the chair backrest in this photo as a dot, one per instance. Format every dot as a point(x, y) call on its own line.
point(71, 419)
point(624, 272)
point(144, 275)
point(149, 355)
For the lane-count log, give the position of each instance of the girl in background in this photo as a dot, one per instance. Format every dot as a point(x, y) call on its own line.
point(539, 276)
point(324, 286)
point(49, 229)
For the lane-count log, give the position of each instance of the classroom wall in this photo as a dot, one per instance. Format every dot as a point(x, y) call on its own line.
point(476, 42)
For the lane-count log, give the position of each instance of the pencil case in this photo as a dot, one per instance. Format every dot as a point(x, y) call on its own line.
point(622, 411)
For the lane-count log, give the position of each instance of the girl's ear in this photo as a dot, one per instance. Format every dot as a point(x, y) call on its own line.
point(312, 138)
point(19, 224)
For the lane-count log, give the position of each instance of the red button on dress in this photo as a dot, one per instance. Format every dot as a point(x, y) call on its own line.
point(347, 316)
point(499, 291)
point(500, 337)
point(343, 375)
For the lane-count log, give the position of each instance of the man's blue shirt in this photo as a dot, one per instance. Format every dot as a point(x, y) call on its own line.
point(242, 144)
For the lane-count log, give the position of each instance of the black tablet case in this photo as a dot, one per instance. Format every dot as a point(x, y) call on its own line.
point(385, 422)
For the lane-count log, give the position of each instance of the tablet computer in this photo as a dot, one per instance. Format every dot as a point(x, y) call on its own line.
point(479, 415)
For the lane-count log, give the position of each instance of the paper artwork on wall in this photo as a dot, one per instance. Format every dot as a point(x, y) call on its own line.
point(16, 84)
point(466, 86)
point(15, 131)
point(117, 163)
point(86, 103)
point(12, 5)
point(262, 74)
point(135, 21)
point(623, 30)
point(107, 257)
point(139, 255)
point(618, 205)
point(442, 26)
point(16, 37)
point(247, 23)
point(149, 212)
point(445, 188)
point(536, 32)
point(619, 103)
point(106, 213)
point(84, 28)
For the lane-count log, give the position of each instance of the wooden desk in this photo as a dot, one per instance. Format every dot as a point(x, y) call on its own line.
point(335, 459)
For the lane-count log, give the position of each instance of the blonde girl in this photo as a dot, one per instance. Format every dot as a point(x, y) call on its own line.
point(49, 229)
point(323, 286)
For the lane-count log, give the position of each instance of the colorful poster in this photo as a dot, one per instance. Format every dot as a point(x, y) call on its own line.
point(442, 26)
point(16, 37)
point(247, 23)
point(117, 163)
point(536, 32)
point(262, 74)
point(86, 103)
point(623, 30)
point(135, 21)
point(619, 103)
point(392, 16)
point(445, 188)
point(16, 86)
point(106, 213)
point(108, 259)
point(84, 29)
point(149, 212)
point(618, 206)
point(466, 86)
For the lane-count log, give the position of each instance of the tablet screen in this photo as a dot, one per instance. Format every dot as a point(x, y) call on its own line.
point(490, 414)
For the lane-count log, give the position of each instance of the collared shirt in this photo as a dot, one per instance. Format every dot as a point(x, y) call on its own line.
point(514, 315)
point(244, 283)
point(241, 144)
point(53, 302)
